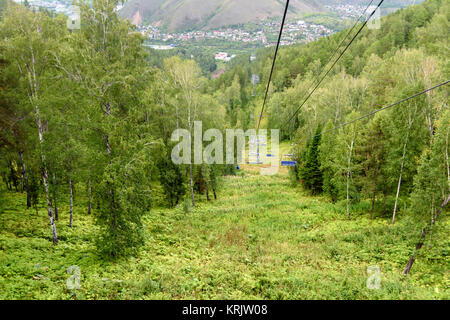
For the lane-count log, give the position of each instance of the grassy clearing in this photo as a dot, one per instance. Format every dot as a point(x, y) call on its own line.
point(261, 240)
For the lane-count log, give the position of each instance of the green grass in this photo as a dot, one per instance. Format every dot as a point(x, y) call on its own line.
point(261, 240)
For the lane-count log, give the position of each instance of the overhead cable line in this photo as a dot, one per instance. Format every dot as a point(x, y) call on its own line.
point(273, 62)
point(345, 38)
point(338, 47)
point(336, 61)
point(385, 108)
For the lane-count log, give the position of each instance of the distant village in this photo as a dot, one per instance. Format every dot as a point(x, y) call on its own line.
point(347, 11)
point(294, 31)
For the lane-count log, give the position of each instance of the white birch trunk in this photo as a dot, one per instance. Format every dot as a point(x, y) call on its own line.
point(46, 188)
point(399, 182)
point(190, 162)
point(349, 172)
point(33, 95)
point(410, 124)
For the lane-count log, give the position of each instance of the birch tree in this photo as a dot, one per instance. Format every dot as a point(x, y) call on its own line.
point(105, 61)
point(432, 183)
point(29, 38)
point(346, 141)
point(408, 129)
point(185, 77)
point(410, 114)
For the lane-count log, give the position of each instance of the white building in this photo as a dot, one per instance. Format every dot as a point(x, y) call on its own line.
point(222, 56)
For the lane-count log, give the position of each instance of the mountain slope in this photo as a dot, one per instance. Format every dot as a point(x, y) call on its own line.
point(185, 14)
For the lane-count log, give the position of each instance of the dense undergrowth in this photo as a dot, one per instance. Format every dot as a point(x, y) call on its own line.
point(262, 239)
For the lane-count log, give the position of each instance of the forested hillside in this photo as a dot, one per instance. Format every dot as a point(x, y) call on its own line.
point(88, 178)
point(82, 118)
point(384, 157)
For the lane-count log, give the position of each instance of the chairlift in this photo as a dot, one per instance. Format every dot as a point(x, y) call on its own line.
point(258, 143)
point(255, 159)
point(287, 161)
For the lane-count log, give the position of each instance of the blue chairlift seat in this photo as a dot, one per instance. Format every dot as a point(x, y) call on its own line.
point(288, 163)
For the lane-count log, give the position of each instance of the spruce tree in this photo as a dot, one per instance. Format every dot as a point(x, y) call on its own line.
point(327, 157)
point(172, 180)
point(310, 173)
